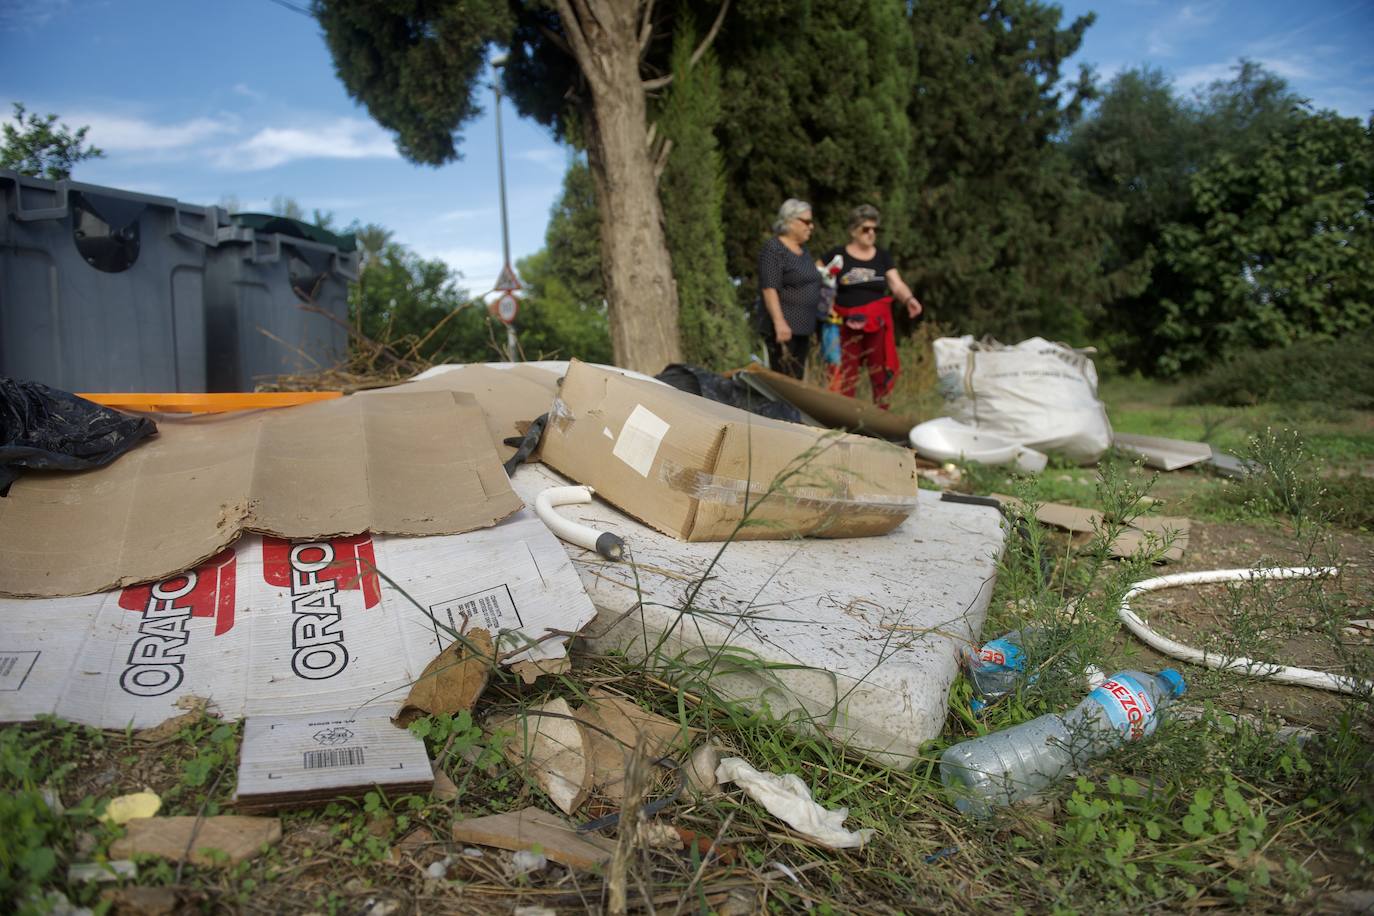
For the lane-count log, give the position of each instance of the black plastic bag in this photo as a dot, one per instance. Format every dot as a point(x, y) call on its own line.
point(732, 391)
point(42, 428)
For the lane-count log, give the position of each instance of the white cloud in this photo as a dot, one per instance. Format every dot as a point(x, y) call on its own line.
point(461, 215)
point(1189, 19)
point(342, 138)
point(19, 15)
point(548, 157)
point(478, 265)
point(117, 134)
point(247, 91)
point(1201, 76)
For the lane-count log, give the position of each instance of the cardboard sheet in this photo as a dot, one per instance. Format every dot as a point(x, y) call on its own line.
point(268, 628)
point(300, 760)
point(414, 463)
point(1082, 523)
point(692, 467)
point(508, 394)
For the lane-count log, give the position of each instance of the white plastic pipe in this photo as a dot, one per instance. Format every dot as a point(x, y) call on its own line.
point(1284, 674)
point(603, 542)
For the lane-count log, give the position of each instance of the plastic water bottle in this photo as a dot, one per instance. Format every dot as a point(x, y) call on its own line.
point(995, 668)
point(1010, 765)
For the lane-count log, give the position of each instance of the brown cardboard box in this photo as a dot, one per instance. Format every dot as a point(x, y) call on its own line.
point(692, 468)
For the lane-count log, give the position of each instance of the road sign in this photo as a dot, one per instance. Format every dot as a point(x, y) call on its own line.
point(507, 280)
point(506, 306)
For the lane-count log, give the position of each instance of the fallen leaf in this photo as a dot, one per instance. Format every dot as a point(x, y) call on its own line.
point(195, 710)
point(555, 747)
point(453, 680)
point(628, 725)
point(444, 789)
point(239, 838)
point(141, 901)
point(127, 807)
point(533, 669)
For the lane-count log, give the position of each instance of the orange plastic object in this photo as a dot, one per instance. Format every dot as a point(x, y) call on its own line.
point(179, 402)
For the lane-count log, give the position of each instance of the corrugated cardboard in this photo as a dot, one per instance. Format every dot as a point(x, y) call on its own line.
point(692, 467)
point(304, 760)
point(508, 396)
point(413, 463)
point(271, 628)
point(834, 409)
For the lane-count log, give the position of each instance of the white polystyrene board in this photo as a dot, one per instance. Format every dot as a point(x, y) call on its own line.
point(316, 752)
point(264, 629)
point(1164, 454)
point(869, 627)
point(556, 367)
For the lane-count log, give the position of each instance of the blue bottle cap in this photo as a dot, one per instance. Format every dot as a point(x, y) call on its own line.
point(1174, 680)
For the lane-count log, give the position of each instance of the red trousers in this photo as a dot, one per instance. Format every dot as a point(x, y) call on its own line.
point(865, 348)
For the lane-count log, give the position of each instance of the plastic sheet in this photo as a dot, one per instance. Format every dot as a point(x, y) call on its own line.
point(732, 391)
point(42, 428)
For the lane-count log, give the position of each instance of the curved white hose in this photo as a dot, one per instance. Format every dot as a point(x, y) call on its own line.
point(603, 542)
point(1284, 674)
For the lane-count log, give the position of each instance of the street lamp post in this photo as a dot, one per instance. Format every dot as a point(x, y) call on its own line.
point(507, 271)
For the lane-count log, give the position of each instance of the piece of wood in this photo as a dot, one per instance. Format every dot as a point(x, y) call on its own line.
point(555, 748)
point(1083, 523)
point(1164, 454)
point(238, 838)
point(523, 830)
point(454, 680)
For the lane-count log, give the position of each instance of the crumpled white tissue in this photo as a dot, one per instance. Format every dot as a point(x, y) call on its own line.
point(789, 799)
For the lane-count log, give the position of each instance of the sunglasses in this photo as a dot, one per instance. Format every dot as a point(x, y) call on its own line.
point(805, 221)
point(868, 228)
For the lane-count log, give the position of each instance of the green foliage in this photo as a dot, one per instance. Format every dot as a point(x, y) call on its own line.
point(1338, 374)
point(415, 304)
point(814, 106)
point(414, 65)
point(1006, 239)
point(714, 329)
point(1282, 248)
point(37, 145)
point(564, 312)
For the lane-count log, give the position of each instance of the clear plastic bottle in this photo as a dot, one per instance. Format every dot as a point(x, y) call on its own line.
point(1010, 765)
point(998, 665)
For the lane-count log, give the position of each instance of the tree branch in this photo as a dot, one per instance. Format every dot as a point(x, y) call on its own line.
point(646, 28)
point(661, 81)
point(572, 27)
point(661, 160)
point(557, 40)
point(711, 35)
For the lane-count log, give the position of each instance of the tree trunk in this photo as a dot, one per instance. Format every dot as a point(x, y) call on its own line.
point(638, 272)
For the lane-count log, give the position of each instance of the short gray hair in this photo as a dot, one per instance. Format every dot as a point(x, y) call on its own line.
point(860, 213)
point(791, 209)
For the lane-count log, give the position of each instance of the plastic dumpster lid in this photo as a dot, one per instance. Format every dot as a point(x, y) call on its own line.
point(284, 225)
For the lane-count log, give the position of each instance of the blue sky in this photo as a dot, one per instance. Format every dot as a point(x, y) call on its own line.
point(203, 99)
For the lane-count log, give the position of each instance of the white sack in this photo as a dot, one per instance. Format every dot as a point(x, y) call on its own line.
point(1038, 393)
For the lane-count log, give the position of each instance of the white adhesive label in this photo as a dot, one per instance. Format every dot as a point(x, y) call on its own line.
point(639, 439)
point(606, 431)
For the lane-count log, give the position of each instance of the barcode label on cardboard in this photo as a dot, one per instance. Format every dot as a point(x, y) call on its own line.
point(493, 610)
point(334, 757)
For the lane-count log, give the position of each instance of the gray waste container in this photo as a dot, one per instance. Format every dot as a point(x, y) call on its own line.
point(263, 287)
point(101, 289)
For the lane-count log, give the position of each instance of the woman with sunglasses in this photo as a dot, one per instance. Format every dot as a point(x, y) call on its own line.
point(790, 289)
point(863, 301)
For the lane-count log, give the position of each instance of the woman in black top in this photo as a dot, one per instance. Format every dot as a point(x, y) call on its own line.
point(863, 300)
point(790, 286)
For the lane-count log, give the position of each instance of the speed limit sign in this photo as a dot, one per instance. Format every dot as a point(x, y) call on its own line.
point(506, 307)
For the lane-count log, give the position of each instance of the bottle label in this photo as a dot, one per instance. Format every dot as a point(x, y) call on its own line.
point(1004, 653)
point(1128, 706)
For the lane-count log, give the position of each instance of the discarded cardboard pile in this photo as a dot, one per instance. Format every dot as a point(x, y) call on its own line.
point(306, 567)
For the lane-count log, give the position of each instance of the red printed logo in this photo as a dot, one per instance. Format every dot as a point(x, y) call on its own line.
point(315, 572)
point(157, 656)
point(1131, 705)
point(994, 656)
